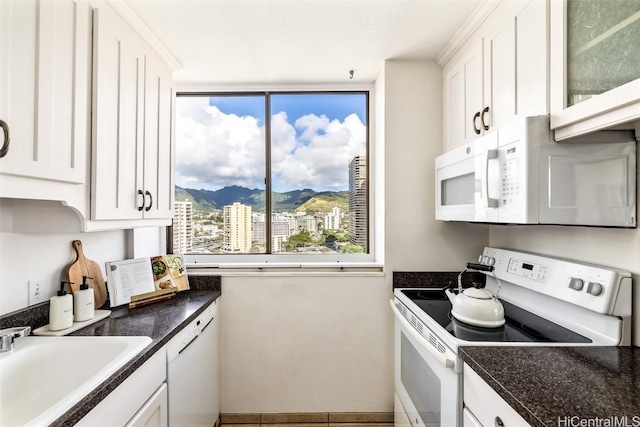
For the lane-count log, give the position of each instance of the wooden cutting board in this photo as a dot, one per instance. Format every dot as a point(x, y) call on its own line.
point(83, 266)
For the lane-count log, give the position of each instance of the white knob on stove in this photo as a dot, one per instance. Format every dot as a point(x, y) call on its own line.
point(594, 288)
point(490, 260)
point(481, 259)
point(575, 283)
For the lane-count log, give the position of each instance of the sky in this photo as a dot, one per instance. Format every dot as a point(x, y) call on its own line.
point(220, 140)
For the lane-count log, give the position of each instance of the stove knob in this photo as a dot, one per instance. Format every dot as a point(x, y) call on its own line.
point(490, 260)
point(576, 284)
point(594, 288)
point(481, 259)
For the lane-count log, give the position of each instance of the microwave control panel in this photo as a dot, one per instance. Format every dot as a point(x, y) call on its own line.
point(510, 179)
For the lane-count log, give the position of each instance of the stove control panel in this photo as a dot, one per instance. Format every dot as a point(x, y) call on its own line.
point(527, 270)
point(589, 286)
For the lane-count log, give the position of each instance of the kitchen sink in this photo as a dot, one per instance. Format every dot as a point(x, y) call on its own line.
point(45, 376)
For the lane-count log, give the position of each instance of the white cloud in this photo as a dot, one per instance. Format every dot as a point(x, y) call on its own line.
point(216, 149)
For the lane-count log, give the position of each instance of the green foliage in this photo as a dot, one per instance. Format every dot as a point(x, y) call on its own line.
point(303, 238)
point(352, 249)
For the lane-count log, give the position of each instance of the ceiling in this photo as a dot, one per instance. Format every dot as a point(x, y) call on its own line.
point(298, 41)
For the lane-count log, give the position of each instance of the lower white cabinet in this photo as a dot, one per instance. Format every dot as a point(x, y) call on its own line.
point(484, 407)
point(154, 412)
point(141, 400)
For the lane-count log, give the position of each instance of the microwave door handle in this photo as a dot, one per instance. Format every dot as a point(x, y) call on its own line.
point(491, 154)
point(441, 358)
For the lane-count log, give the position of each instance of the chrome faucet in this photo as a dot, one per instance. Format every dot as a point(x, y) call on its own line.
point(8, 336)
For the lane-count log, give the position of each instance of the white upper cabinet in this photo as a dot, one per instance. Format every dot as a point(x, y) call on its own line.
point(44, 96)
point(463, 98)
point(158, 139)
point(595, 65)
point(498, 72)
point(132, 162)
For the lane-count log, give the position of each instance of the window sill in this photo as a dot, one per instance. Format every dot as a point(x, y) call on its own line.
point(286, 268)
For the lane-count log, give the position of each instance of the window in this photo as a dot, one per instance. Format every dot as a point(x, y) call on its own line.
point(294, 185)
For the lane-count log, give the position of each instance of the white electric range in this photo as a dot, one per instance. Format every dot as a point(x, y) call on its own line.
point(547, 302)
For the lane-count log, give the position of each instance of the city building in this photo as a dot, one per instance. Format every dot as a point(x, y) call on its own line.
point(332, 220)
point(358, 227)
point(182, 227)
point(237, 228)
point(279, 233)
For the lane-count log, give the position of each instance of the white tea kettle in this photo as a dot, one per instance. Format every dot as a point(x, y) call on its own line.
point(477, 306)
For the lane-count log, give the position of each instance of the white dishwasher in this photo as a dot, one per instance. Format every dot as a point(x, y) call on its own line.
point(192, 372)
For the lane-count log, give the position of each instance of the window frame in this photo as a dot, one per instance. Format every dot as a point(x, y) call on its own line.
point(269, 261)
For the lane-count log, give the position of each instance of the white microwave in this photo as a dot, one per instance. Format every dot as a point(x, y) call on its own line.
point(518, 174)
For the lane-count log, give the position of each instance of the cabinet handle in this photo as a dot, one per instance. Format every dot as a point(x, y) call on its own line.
point(475, 128)
point(498, 422)
point(148, 208)
point(141, 206)
point(484, 124)
point(5, 147)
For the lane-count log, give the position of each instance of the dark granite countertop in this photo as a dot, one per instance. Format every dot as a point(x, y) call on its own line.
point(160, 321)
point(546, 385)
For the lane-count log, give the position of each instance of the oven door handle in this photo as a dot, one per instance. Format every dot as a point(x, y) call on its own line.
point(441, 358)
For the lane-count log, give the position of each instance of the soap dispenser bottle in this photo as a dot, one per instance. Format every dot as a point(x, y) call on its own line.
point(61, 310)
point(83, 302)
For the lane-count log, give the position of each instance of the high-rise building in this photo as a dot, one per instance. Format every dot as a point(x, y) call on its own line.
point(279, 233)
point(358, 228)
point(332, 221)
point(237, 228)
point(182, 227)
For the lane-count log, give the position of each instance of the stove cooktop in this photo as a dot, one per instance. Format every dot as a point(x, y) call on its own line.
point(520, 325)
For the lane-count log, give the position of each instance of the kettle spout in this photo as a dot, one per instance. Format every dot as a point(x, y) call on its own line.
point(450, 295)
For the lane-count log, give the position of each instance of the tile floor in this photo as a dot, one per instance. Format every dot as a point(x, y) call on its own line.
point(314, 419)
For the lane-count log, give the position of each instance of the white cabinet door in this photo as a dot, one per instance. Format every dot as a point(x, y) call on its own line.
point(154, 412)
point(132, 163)
point(515, 38)
point(498, 73)
point(118, 105)
point(43, 89)
point(463, 92)
point(158, 139)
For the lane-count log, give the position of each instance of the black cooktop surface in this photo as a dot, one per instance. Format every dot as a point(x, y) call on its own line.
point(520, 325)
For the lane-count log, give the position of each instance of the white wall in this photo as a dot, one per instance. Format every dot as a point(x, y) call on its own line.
point(305, 344)
point(25, 256)
point(413, 139)
point(320, 343)
point(30, 256)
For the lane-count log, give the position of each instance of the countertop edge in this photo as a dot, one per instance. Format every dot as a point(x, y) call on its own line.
point(496, 386)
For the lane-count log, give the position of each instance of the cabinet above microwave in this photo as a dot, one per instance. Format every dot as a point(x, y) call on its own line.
point(518, 174)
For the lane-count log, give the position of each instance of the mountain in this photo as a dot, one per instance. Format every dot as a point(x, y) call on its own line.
point(301, 200)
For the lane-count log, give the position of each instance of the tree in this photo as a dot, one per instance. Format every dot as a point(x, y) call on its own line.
point(303, 238)
point(330, 241)
point(352, 249)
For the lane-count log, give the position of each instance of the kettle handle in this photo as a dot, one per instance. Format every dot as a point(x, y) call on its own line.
point(479, 267)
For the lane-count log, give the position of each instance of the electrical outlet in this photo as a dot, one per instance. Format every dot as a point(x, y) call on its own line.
point(38, 291)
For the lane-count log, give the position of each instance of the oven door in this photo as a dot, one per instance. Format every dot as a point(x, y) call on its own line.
point(427, 384)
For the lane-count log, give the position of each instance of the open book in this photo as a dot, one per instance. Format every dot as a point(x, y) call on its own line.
point(140, 279)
